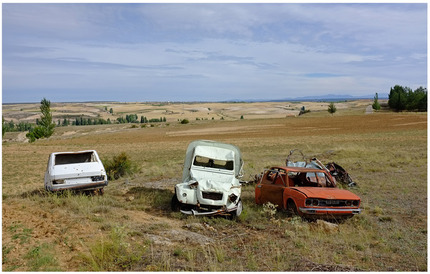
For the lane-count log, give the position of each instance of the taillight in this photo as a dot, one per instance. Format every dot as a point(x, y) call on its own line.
point(97, 178)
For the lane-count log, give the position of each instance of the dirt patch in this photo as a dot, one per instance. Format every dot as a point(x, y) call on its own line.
point(28, 227)
point(307, 265)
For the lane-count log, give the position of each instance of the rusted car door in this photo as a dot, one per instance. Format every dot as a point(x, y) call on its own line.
point(272, 188)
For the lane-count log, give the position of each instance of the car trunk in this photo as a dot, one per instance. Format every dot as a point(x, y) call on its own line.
point(80, 170)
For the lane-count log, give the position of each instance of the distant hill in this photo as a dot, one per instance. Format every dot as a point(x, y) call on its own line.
point(326, 97)
point(331, 97)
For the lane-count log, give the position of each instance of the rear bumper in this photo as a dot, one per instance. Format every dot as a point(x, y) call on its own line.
point(331, 211)
point(83, 186)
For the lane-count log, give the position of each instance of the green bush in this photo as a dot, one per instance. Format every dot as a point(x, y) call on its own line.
point(184, 121)
point(119, 166)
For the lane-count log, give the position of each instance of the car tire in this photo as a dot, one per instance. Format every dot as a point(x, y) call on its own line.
point(175, 204)
point(291, 208)
point(239, 209)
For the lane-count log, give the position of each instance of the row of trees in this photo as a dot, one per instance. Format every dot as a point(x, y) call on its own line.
point(403, 98)
point(81, 121)
point(11, 126)
point(132, 118)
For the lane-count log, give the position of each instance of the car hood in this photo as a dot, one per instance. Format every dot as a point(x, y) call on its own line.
point(213, 181)
point(59, 172)
point(327, 193)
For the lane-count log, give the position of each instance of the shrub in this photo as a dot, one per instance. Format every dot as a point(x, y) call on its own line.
point(184, 121)
point(119, 166)
point(331, 108)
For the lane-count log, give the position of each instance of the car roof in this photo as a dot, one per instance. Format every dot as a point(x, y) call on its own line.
point(238, 162)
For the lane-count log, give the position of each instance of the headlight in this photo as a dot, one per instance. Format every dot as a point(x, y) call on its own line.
point(184, 194)
point(308, 202)
point(194, 185)
point(315, 202)
point(348, 203)
point(355, 203)
point(232, 198)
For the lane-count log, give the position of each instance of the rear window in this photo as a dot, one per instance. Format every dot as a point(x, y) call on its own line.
point(75, 158)
point(213, 163)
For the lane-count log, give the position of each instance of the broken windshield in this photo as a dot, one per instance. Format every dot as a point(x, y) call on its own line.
point(213, 163)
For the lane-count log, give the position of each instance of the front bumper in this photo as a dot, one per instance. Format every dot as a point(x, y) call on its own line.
point(332, 211)
point(222, 211)
point(82, 186)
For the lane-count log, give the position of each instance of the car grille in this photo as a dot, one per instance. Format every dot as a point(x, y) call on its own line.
point(212, 195)
point(334, 203)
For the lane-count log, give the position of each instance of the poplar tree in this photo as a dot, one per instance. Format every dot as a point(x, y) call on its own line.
point(45, 127)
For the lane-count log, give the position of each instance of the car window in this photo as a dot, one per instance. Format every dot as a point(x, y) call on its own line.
point(311, 177)
point(74, 158)
point(213, 163)
point(271, 175)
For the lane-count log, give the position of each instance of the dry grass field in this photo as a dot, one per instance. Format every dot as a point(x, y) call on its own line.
point(131, 227)
point(173, 111)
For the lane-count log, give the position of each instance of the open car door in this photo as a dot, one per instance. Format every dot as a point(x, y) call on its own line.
point(272, 187)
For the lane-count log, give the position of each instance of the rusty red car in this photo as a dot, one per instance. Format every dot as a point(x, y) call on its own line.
point(308, 192)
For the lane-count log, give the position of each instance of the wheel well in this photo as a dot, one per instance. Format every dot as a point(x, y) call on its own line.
point(289, 201)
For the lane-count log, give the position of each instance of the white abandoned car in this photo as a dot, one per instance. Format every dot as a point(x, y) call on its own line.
point(80, 170)
point(210, 180)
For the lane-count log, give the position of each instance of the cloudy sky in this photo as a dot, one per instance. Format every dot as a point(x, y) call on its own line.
point(209, 52)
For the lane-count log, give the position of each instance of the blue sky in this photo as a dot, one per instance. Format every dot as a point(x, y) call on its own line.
point(209, 52)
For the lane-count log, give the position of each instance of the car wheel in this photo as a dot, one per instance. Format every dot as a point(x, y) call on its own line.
point(101, 191)
point(238, 210)
point(291, 208)
point(175, 204)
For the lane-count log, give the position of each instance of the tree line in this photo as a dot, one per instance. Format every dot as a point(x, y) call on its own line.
point(403, 98)
point(10, 126)
point(133, 118)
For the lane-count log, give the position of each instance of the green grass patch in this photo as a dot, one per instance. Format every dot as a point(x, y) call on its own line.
point(41, 258)
point(113, 253)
